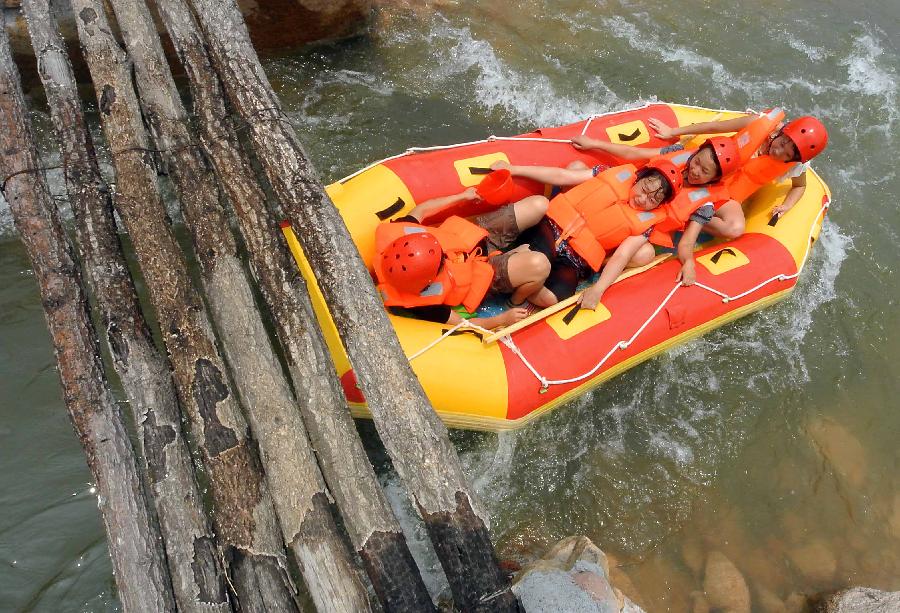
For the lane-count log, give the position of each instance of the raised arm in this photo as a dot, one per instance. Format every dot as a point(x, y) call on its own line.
point(707, 127)
point(623, 152)
point(551, 175)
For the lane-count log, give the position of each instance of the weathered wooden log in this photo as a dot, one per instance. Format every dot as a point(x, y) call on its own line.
point(243, 514)
point(133, 536)
point(414, 437)
point(193, 557)
point(295, 482)
point(374, 532)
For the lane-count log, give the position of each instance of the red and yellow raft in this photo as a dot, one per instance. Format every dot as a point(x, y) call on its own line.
point(502, 380)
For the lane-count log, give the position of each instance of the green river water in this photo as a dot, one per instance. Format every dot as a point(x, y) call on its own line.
point(773, 440)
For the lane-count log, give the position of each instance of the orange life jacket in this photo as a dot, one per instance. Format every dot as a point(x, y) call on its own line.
point(756, 171)
point(595, 217)
point(679, 209)
point(751, 137)
point(465, 276)
point(754, 174)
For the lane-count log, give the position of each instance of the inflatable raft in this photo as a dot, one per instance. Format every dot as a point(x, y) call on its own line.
point(503, 379)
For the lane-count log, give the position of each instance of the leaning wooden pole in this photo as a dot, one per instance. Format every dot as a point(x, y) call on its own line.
point(296, 484)
point(415, 438)
point(193, 556)
point(135, 546)
point(242, 510)
point(373, 529)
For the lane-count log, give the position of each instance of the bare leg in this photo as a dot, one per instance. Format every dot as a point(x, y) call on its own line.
point(543, 298)
point(527, 272)
point(529, 211)
point(577, 165)
point(728, 221)
point(644, 256)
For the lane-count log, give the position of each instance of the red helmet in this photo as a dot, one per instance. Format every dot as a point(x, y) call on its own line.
point(809, 136)
point(727, 153)
point(411, 262)
point(670, 171)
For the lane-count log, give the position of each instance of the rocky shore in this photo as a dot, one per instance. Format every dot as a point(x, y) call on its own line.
point(577, 577)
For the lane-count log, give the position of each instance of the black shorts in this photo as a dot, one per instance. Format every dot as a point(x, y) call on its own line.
point(565, 275)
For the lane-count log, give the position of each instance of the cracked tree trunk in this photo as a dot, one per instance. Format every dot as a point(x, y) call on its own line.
point(193, 557)
point(415, 438)
point(374, 531)
point(295, 482)
point(243, 514)
point(133, 536)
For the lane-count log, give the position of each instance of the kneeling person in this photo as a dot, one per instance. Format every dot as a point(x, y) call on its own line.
point(430, 270)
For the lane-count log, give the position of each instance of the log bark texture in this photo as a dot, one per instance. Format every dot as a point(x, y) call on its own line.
point(193, 556)
point(296, 484)
point(415, 438)
point(374, 531)
point(135, 546)
point(243, 514)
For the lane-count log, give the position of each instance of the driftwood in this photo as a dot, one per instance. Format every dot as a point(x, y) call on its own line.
point(243, 514)
point(373, 530)
point(413, 435)
point(295, 482)
point(134, 540)
point(193, 557)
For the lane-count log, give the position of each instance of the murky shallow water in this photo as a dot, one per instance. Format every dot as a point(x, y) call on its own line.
point(772, 440)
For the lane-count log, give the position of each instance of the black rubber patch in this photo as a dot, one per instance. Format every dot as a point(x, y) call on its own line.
point(629, 137)
point(774, 220)
point(718, 255)
point(571, 314)
point(389, 211)
point(480, 170)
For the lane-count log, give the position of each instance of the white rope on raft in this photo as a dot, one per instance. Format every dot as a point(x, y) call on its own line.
point(492, 138)
point(624, 344)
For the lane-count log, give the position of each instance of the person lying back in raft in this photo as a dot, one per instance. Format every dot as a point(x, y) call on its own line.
point(430, 270)
point(770, 150)
point(616, 210)
point(761, 151)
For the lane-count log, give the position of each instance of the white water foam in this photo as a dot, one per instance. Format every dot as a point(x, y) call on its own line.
point(529, 98)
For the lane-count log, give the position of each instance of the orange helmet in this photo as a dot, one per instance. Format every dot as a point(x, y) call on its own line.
point(670, 171)
point(809, 136)
point(411, 262)
point(727, 153)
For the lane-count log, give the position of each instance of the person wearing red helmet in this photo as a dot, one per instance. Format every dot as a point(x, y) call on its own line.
point(613, 213)
point(430, 270)
point(783, 154)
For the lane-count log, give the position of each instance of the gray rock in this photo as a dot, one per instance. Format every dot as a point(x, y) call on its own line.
point(573, 577)
point(862, 600)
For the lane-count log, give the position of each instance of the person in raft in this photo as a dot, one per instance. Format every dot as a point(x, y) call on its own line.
point(429, 271)
point(766, 150)
point(614, 211)
point(696, 205)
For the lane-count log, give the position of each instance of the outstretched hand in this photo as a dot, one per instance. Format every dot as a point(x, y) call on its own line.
point(582, 142)
point(661, 130)
point(511, 316)
point(500, 165)
point(470, 194)
point(590, 298)
point(687, 274)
